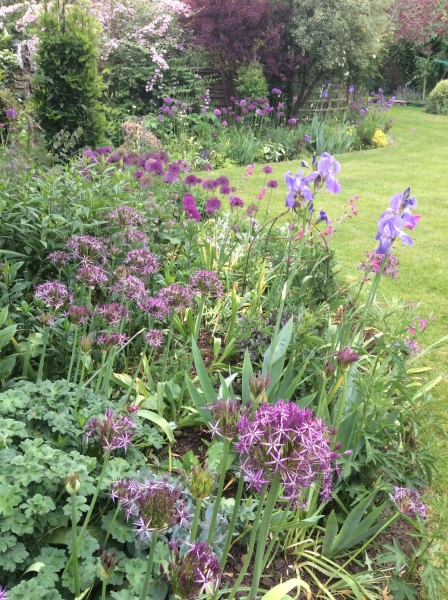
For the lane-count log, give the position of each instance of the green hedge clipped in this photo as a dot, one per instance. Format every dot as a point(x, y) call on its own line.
point(437, 102)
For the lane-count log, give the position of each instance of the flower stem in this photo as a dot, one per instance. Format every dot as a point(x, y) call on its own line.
point(144, 590)
point(197, 514)
point(100, 372)
point(223, 468)
point(342, 401)
point(137, 371)
point(239, 493)
point(167, 347)
point(75, 548)
point(103, 590)
point(42, 356)
point(112, 523)
point(72, 359)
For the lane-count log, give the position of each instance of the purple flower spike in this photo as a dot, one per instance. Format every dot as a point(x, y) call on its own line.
point(206, 283)
point(409, 502)
point(112, 432)
point(290, 441)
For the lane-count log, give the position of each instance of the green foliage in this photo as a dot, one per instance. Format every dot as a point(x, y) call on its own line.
point(438, 99)
point(250, 81)
point(67, 87)
point(8, 63)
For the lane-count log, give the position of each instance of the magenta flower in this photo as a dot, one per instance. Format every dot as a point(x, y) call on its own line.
point(154, 338)
point(290, 441)
point(276, 91)
point(11, 113)
point(267, 169)
point(217, 112)
point(59, 258)
point(126, 216)
point(192, 180)
point(77, 315)
point(142, 261)
point(130, 286)
point(206, 283)
point(208, 167)
point(92, 276)
point(346, 356)
point(3, 593)
point(112, 313)
point(236, 202)
point(272, 184)
point(409, 502)
point(52, 293)
point(292, 121)
point(157, 308)
point(212, 205)
point(111, 432)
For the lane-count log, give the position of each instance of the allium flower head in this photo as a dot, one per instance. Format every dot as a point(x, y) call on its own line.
point(77, 315)
point(106, 341)
point(209, 184)
point(92, 276)
point(108, 563)
point(85, 344)
point(142, 261)
point(258, 385)
point(112, 313)
point(131, 287)
point(59, 258)
point(346, 356)
point(3, 593)
point(272, 184)
point(192, 180)
point(226, 416)
point(154, 338)
point(177, 296)
point(157, 308)
point(409, 502)
point(252, 210)
point(212, 205)
point(48, 319)
point(52, 293)
point(290, 441)
point(235, 202)
point(133, 236)
point(206, 283)
point(112, 432)
point(199, 481)
point(194, 573)
point(125, 216)
point(267, 169)
point(11, 113)
point(87, 248)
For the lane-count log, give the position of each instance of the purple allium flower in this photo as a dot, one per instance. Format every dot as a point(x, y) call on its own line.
point(59, 258)
point(125, 216)
point(154, 166)
point(193, 574)
point(132, 236)
point(222, 180)
point(112, 313)
point(92, 276)
point(252, 210)
point(11, 113)
point(154, 338)
point(217, 112)
point(108, 562)
point(224, 123)
point(322, 217)
point(77, 315)
point(351, 89)
point(142, 261)
point(113, 431)
point(236, 202)
point(307, 138)
point(138, 174)
point(192, 179)
point(224, 190)
point(208, 167)
point(87, 248)
point(346, 356)
point(290, 441)
point(226, 415)
point(267, 169)
point(409, 502)
point(157, 308)
point(193, 213)
point(171, 177)
point(298, 190)
point(292, 121)
point(130, 286)
point(276, 91)
point(177, 296)
point(272, 184)
point(168, 101)
point(212, 205)
point(188, 202)
point(206, 283)
point(52, 293)
point(110, 340)
point(209, 184)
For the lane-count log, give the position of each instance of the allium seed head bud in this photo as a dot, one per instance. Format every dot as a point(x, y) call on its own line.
point(72, 484)
point(258, 387)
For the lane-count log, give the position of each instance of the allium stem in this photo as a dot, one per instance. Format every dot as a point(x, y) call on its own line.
point(75, 548)
point(223, 469)
point(74, 348)
point(263, 534)
point(78, 391)
point(42, 356)
point(195, 339)
point(117, 510)
point(197, 514)
point(100, 372)
point(231, 529)
point(137, 371)
point(103, 589)
point(148, 576)
point(342, 401)
point(167, 346)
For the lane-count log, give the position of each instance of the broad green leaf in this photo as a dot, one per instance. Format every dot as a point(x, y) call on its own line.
point(281, 590)
point(158, 420)
point(206, 386)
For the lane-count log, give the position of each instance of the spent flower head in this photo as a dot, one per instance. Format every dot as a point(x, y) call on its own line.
point(409, 502)
point(199, 481)
point(290, 441)
point(108, 563)
point(85, 344)
point(258, 385)
point(112, 432)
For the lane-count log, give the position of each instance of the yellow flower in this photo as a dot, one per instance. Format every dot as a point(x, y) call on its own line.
point(379, 139)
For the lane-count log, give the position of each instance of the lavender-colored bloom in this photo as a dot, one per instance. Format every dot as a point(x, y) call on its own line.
point(157, 308)
point(77, 315)
point(224, 190)
point(224, 124)
point(243, 103)
point(106, 341)
point(48, 319)
point(292, 121)
point(389, 228)
point(131, 287)
point(206, 283)
point(327, 168)
point(112, 432)
point(322, 216)
point(307, 138)
point(212, 205)
point(91, 276)
point(132, 236)
point(298, 189)
point(194, 573)
point(346, 356)
point(325, 94)
point(192, 180)
point(209, 184)
point(409, 502)
point(87, 248)
point(142, 261)
point(276, 91)
point(290, 441)
point(413, 346)
point(171, 177)
point(272, 184)
point(59, 258)
point(374, 261)
point(217, 112)
point(226, 415)
point(236, 202)
point(154, 338)
point(112, 313)
point(11, 113)
point(52, 293)
point(402, 204)
point(222, 180)
point(177, 296)
point(351, 89)
point(154, 166)
point(125, 216)
point(251, 210)
point(208, 167)
point(267, 169)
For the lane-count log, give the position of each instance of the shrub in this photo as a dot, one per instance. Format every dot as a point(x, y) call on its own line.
point(438, 99)
point(251, 82)
point(67, 85)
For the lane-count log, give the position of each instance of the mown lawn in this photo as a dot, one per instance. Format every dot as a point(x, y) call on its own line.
point(419, 159)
